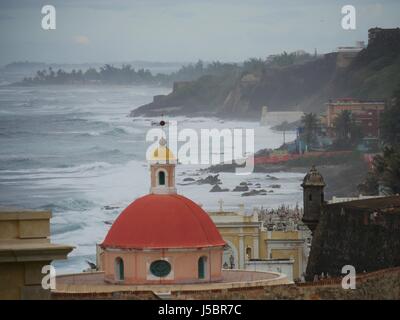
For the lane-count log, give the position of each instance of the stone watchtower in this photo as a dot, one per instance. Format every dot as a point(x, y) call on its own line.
point(313, 197)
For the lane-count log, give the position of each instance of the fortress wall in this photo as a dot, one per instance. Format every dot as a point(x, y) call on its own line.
point(365, 238)
point(382, 284)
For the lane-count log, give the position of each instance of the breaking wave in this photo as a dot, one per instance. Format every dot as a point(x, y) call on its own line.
point(69, 205)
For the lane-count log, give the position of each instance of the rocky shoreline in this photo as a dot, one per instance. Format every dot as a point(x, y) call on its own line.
point(342, 179)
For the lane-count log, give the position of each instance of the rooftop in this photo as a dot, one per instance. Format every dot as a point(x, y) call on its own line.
point(93, 282)
point(378, 203)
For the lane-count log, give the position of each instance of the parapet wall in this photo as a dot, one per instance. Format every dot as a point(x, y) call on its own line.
point(382, 284)
point(379, 36)
point(379, 285)
point(116, 295)
point(354, 233)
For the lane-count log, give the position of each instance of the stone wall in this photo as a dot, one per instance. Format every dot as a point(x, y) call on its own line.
point(354, 233)
point(379, 36)
point(116, 295)
point(382, 284)
point(378, 285)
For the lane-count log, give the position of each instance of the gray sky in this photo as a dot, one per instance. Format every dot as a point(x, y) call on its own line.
point(181, 30)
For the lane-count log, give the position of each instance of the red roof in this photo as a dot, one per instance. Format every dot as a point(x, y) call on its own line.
point(163, 221)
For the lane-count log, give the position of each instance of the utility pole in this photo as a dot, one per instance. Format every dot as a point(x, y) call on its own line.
point(284, 137)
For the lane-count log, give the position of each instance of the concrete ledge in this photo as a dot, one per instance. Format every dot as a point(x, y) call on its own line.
point(13, 252)
point(24, 214)
point(93, 282)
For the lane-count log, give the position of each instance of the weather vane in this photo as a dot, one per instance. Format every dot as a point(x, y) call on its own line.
point(160, 123)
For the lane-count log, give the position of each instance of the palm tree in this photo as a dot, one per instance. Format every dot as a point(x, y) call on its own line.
point(387, 169)
point(390, 121)
point(310, 124)
point(386, 166)
point(347, 131)
point(342, 125)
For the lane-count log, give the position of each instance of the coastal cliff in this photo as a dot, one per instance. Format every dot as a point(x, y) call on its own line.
point(306, 86)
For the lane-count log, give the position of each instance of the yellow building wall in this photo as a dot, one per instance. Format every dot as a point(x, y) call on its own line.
point(13, 227)
point(248, 243)
point(282, 235)
point(234, 239)
point(287, 254)
point(233, 235)
point(263, 245)
point(12, 280)
point(22, 280)
point(25, 249)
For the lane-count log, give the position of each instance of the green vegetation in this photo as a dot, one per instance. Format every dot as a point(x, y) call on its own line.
point(124, 75)
point(385, 173)
point(287, 59)
point(296, 81)
point(205, 93)
point(348, 133)
point(390, 122)
point(109, 74)
point(255, 66)
point(337, 159)
point(310, 124)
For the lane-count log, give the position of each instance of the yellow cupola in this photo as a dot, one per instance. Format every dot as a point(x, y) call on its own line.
point(162, 169)
point(162, 154)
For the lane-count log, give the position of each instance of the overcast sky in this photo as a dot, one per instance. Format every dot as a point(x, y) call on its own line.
point(182, 30)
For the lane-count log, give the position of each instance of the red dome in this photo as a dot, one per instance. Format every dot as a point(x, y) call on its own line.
point(163, 221)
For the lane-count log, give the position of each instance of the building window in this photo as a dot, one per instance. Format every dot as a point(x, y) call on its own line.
point(248, 253)
point(161, 178)
point(201, 267)
point(310, 197)
point(160, 268)
point(119, 269)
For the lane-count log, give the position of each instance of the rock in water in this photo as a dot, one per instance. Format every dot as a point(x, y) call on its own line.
point(210, 180)
point(241, 188)
point(217, 188)
point(253, 192)
point(274, 186)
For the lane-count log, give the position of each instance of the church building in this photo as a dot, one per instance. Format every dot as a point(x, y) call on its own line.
point(163, 237)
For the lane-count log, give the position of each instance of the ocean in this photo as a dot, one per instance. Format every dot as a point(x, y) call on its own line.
point(75, 151)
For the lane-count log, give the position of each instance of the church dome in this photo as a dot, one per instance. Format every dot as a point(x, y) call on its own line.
point(313, 178)
point(158, 221)
point(162, 153)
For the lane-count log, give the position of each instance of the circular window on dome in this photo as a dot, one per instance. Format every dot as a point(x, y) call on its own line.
point(160, 268)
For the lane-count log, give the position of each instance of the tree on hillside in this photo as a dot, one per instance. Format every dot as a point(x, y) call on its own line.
point(284, 59)
point(391, 170)
point(386, 166)
point(254, 65)
point(310, 125)
point(390, 122)
point(347, 131)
